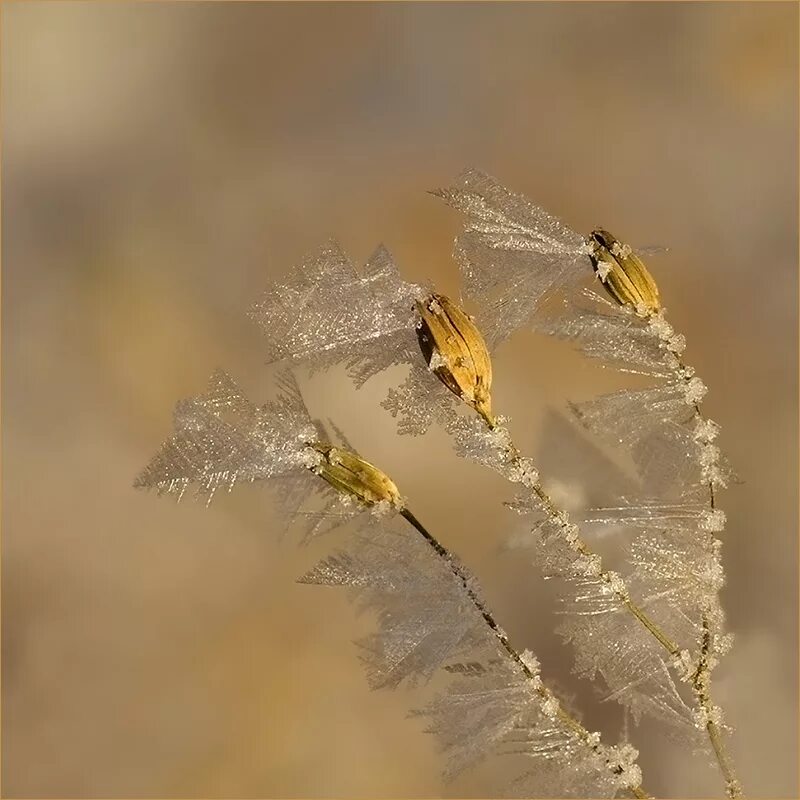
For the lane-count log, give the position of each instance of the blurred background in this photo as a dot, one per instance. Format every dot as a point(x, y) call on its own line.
point(162, 163)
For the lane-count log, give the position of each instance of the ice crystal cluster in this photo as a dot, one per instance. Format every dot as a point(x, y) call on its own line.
point(648, 635)
point(221, 439)
point(431, 617)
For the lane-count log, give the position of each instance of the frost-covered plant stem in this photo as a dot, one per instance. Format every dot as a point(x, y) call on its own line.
point(514, 257)
point(611, 579)
point(701, 678)
point(590, 564)
point(429, 608)
point(701, 681)
point(541, 690)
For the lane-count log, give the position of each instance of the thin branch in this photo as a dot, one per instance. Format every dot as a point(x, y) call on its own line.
point(546, 695)
point(701, 679)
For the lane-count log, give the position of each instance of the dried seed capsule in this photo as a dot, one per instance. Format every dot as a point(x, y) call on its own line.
point(353, 476)
point(456, 352)
point(623, 274)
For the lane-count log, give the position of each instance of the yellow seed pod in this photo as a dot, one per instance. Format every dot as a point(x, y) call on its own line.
point(456, 352)
point(351, 475)
point(623, 274)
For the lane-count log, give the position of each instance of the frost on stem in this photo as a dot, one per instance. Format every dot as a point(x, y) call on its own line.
point(608, 641)
point(493, 704)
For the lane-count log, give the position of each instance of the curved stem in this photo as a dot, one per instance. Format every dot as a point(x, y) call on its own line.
point(543, 692)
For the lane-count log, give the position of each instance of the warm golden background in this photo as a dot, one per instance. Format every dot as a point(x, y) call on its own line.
point(163, 163)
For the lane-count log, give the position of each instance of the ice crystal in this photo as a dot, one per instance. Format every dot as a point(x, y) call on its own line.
point(501, 234)
point(427, 619)
point(329, 311)
point(421, 401)
point(395, 573)
point(656, 425)
point(631, 663)
point(221, 440)
point(649, 515)
point(608, 332)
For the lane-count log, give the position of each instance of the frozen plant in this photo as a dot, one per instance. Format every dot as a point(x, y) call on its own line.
point(430, 612)
point(451, 371)
point(651, 634)
point(527, 269)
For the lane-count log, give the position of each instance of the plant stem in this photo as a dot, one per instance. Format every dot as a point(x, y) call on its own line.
point(543, 692)
point(702, 676)
point(702, 680)
point(701, 684)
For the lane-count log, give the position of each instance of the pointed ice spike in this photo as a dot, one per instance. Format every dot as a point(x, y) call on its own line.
point(612, 334)
point(493, 706)
point(329, 311)
point(512, 254)
point(221, 439)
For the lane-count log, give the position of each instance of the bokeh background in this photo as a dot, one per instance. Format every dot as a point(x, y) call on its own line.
point(162, 163)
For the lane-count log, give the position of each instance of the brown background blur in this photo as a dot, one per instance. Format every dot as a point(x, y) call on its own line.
point(162, 164)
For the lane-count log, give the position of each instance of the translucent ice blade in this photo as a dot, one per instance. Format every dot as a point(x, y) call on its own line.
point(632, 664)
point(677, 574)
point(512, 254)
point(651, 516)
point(330, 311)
point(427, 622)
point(222, 439)
point(612, 334)
point(474, 716)
point(506, 220)
point(424, 616)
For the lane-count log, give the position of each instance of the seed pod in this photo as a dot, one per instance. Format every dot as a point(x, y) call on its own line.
point(623, 274)
point(456, 352)
point(353, 476)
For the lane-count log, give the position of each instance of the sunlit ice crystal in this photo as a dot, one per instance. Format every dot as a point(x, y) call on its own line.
point(329, 310)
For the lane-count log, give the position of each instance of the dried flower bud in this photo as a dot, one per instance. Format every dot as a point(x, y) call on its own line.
point(354, 477)
point(456, 352)
point(623, 274)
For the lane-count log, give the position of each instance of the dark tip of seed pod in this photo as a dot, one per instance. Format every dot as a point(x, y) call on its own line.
point(425, 340)
point(603, 238)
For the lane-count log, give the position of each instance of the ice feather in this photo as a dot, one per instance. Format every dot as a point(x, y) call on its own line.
point(330, 311)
